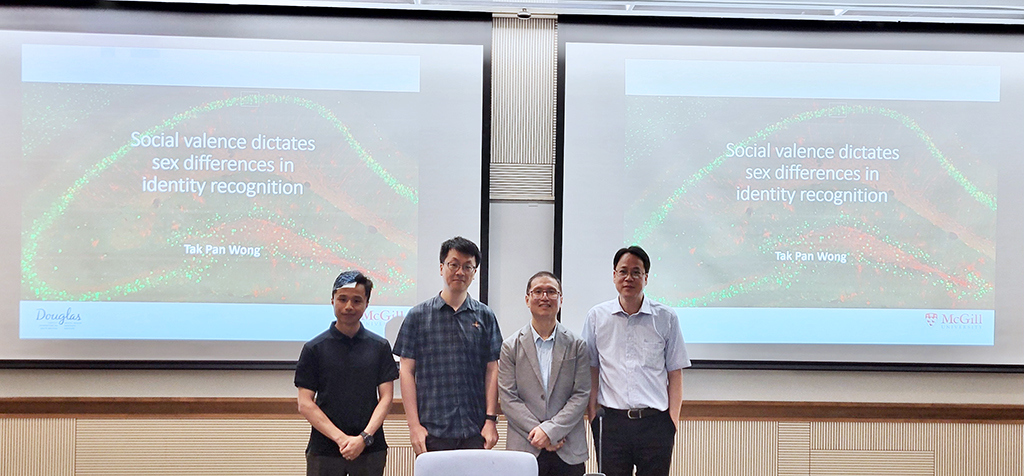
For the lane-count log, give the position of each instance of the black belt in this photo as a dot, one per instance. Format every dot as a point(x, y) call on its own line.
point(634, 413)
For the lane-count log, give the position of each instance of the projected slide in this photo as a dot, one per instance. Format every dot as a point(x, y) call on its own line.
point(798, 202)
point(214, 193)
point(792, 196)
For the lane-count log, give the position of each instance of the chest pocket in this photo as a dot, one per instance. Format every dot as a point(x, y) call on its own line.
point(653, 353)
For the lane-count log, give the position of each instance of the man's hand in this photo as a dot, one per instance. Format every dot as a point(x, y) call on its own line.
point(555, 447)
point(351, 446)
point(538, 438)
point(490, 434)
point(418, 437)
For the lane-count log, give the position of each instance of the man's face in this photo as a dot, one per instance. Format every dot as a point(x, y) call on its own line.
point(349, 304)
point(629, 276)
point(544, 297)
point(458, 270)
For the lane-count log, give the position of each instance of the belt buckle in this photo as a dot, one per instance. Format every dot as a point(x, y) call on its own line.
point(638, 412)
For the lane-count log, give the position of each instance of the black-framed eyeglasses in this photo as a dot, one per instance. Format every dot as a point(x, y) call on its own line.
point(466, 268)
point(635, 274)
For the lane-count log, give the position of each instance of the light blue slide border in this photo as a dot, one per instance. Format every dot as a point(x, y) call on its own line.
point(721, 325)
point(801, 80)
point(219, 68)
point(187, 321)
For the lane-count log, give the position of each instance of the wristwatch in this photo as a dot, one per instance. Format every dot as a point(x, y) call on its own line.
point(367, 438)
point(493, 418)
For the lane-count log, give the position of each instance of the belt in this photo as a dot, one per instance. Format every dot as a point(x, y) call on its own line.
point(634, 413)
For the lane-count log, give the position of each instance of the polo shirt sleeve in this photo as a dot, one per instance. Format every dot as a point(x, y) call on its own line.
point(675, 349)
point(494, 346)
point(307, 369)
point(387, 370)
point(405, 343)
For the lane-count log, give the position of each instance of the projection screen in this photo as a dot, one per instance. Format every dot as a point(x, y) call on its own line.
point(843, 195)
point(185, 186)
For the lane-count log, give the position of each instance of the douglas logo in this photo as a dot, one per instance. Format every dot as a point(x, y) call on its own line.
point(931, 317)
point(42, 315)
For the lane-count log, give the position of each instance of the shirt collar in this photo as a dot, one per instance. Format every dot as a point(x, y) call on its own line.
point(537, 336)
point(645, 307)
point(336, 334)
point(469, 303)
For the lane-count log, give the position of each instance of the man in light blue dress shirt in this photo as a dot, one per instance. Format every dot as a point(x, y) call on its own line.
point(544, 384)
point(636, 359)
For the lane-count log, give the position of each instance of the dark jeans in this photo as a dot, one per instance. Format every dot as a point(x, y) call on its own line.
point(645, 443)
point(550, 464)
point(366, 464)
point(475, 442)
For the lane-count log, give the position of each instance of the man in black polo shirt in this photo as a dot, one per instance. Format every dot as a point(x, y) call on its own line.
point(345, 378)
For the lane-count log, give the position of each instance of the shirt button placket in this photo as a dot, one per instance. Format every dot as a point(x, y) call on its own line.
point(633, 359)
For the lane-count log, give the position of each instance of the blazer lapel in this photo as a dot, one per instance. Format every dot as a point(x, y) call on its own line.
point(530, 349)
point(557, 355)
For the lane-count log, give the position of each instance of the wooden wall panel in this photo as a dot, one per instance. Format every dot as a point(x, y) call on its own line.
point(111, 447)
point(400, 460)
point(221, 407)
point(191, 437)
point(794, 448)
point(958, 448)
point(37, 446)
point(748, 448)
point(872, 463)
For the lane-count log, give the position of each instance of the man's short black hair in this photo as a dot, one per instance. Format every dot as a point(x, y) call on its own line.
point(635, 251)
point(463, 246)
point(348, 277)
point(539, 274)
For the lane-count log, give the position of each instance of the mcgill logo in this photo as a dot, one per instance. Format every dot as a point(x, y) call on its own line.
point(953, 321)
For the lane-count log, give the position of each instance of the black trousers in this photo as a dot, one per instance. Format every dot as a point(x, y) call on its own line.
point(475, 442)
point(366, 464)
point(550, 464)
point(645, 443)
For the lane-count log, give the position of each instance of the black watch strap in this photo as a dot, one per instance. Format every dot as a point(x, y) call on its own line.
point(493, 418)
point(367, 438)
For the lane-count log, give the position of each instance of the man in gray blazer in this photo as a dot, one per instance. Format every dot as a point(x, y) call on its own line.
point(544, 384)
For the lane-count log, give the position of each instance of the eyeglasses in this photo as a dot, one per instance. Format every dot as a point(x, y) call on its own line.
point(455, 267)
point(635, 274)
point(551, 293)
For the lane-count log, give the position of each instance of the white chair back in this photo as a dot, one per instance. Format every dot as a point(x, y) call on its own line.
point(475, 463)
